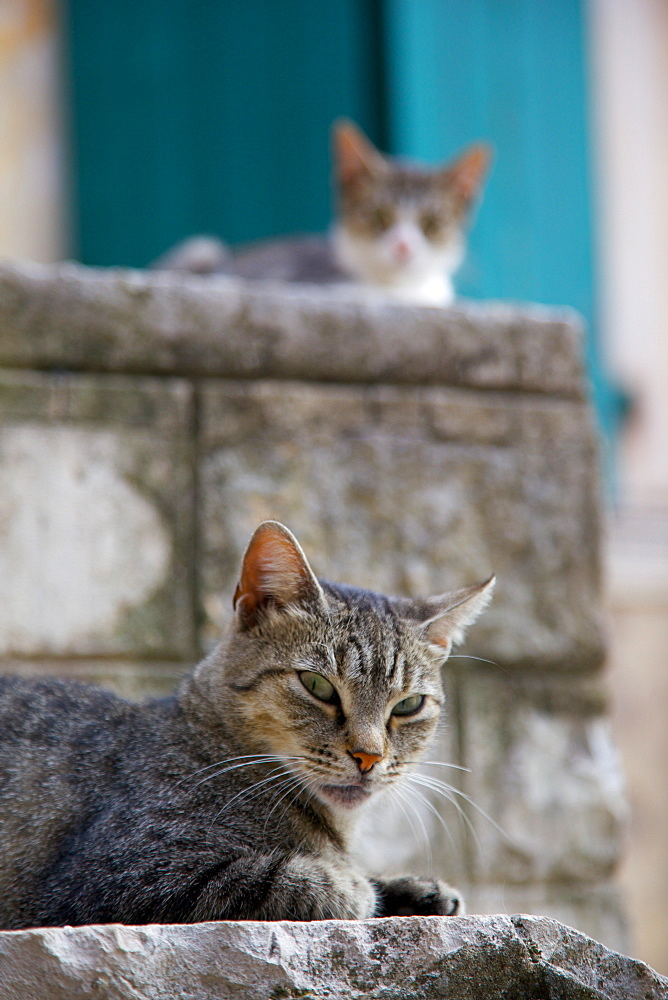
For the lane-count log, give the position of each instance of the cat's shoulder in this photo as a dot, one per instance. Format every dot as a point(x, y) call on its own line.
point(36, 690)
point(55, 704)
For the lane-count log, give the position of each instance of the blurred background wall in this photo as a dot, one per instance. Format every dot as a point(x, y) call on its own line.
point(125, 127)
point(32, 137)
point(628, 65)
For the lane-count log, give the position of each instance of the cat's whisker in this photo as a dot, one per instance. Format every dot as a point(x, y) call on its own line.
point(293, 784)
point(441, 763)
point(252, 790)
point(435, 782)
point(246, 795)
point(301, 783)
point(331, 772)
point(467, 656)
point(396, 793)
point(432, 808)
point(450, 793)
point(446, 792)
point(249, 763)
point(252, 758)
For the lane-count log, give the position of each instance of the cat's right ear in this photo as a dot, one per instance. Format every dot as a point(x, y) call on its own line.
point(354, 155)
point(443, 620)
point(274, 573)
point(465, 175)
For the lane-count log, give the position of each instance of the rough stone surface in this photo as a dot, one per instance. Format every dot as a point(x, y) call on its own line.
point(596, 908)
point(541, 761)
point(413, 491)
point(136, 321)
point(96, 516)
point(467, 958)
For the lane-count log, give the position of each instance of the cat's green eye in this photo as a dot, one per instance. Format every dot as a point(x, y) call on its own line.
point(409, 706)
point(318, 686)
point(381, 218)
point(431, 224)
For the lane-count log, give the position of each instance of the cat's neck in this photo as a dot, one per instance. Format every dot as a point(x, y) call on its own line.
point(434, 290)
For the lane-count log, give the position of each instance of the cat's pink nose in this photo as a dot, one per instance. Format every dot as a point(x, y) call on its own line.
point(365, 761)
point(402, 250)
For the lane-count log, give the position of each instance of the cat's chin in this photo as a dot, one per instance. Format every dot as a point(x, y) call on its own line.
point(345, 796)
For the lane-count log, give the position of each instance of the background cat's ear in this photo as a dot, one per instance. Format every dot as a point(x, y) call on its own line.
point(354, 155)
point(274, 573)
point(466, 174)
point(444, 619)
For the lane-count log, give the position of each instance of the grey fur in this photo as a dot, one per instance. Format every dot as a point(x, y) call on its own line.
point(307, 258)
point(112, 811)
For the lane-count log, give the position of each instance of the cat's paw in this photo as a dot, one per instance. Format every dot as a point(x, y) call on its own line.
point(409, 895)
point(331, 890)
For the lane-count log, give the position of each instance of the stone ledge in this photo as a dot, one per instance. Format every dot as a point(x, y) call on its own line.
point(465, 958)
point(82, 319)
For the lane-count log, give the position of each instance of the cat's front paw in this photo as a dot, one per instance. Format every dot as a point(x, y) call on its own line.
point(329, 889)
point(408, 896)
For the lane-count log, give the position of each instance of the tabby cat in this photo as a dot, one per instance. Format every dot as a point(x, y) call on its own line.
point(400, 228)
point(237, 797)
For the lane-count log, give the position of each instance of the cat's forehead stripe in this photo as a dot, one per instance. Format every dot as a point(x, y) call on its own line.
point(365, 653)
point(406, 185)
point(355, 660)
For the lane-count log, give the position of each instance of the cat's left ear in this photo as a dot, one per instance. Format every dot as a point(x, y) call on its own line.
point(354, 155)
point(274, 573)
point(465, 175)
point(443, 620)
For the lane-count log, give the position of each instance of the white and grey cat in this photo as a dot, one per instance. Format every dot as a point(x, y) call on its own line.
point(236, 798)
point(400, 228)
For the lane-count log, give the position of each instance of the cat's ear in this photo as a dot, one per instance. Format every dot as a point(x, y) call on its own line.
point(465, 175)
point(274, 573)
point(443, 620)
point(354, 155)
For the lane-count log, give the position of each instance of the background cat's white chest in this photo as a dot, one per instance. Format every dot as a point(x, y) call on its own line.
point(400, 262)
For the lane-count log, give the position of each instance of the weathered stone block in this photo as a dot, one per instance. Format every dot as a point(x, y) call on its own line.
point(404, 958)
point(544, 769)
point(96, 516)
point(412, 491)
point(138, 321)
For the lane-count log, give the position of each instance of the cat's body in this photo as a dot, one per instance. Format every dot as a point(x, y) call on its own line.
point(237, 797)
point(400, 228)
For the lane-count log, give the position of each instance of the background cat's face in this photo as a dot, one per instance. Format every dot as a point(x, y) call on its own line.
point(341, 685)
point(400, 225)
point(319, 688)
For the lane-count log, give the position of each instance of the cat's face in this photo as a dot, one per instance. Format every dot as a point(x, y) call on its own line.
point(342, 684)
point(328, 686)
point(402, 227)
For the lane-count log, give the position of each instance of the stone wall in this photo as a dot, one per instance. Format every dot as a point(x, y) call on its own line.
point(149, 421)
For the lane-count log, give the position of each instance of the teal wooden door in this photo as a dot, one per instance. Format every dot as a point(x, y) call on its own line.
point(210, 116)
point(214, 115)
point(513, 72)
